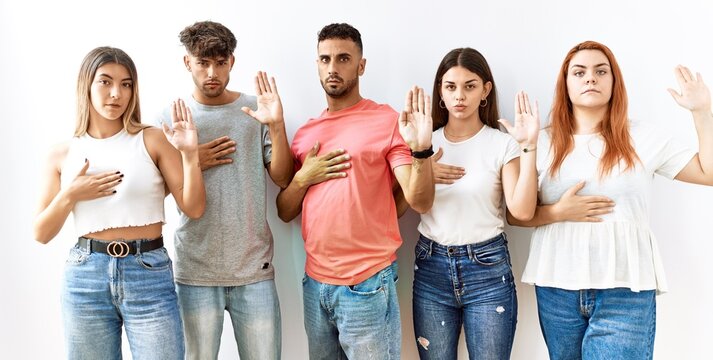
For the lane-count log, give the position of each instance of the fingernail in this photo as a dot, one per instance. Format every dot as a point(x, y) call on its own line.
point(118, 172)
point(85, 160)
point(122, 175)
point(113, 192)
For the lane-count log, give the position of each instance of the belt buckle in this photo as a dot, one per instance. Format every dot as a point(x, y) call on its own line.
point(118, 249)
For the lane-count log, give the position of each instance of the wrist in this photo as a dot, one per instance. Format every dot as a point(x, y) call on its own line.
point(422, 154)
point(528, 147)
point(67, 198)
point(300, 182)
point(278, 124)
point(554, 213)
point(190, 156)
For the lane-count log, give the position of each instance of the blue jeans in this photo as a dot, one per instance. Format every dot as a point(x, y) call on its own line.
point(469, 286)
point(597, 324)
point(101, 293)
point(254, 310)
point(353, 322)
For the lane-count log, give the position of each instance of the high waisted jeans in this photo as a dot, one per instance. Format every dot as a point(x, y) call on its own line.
point(101, 293)
point(469, 286)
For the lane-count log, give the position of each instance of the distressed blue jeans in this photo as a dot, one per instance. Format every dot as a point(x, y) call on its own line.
point(353, 322)
point(469, 287)
point(597, 324)
point(101, 293)
point(254, 311)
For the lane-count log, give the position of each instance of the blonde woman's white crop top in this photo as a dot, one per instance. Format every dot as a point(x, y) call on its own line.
point(139, 197)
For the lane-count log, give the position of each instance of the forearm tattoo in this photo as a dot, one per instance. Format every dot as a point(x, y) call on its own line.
point(417, 164)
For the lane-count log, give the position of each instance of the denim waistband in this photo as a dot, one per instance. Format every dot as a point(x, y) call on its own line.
point(459, 250)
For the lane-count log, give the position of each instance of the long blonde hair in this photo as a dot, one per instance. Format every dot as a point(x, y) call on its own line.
point(93, 61)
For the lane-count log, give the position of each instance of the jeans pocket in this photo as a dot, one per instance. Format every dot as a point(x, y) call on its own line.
point(421, 252)
point(490, 256)
point(154, 260)
point(77, 256)
point(370, 286)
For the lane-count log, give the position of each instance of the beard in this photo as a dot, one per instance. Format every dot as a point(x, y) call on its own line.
point(339, 91)
point(214, 92)
point(209, 92)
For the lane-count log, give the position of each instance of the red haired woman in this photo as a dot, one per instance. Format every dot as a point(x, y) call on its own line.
point(596, 266)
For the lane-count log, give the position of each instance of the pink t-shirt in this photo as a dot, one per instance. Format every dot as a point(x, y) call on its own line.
point(349, 224)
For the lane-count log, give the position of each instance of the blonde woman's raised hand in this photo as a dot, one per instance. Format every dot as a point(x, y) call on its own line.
point(183, 134)
point(527, 121)
point(694, 94)
point(415, 123)
point(269, 105)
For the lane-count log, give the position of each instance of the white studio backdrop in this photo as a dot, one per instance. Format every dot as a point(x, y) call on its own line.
point(404, 41)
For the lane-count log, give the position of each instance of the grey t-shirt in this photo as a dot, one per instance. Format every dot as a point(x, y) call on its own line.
point(231, 244)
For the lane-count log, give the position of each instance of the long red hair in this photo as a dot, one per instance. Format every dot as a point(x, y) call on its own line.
point(614, 128)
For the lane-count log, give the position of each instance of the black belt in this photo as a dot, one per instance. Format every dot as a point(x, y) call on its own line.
point(120, 248)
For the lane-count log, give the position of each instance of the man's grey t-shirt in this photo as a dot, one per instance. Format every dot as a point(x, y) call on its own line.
point(231, 244)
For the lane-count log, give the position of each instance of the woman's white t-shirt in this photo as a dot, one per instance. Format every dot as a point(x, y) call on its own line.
point(470, 210)
point(620, 251)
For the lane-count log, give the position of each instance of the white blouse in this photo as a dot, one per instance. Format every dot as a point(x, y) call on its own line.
point(620, 251)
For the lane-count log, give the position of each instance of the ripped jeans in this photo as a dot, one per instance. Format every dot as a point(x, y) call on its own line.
point(469, 286)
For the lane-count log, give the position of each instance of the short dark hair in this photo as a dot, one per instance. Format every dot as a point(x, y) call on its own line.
point(342, 31)
point(208, 39)
point(475, 62)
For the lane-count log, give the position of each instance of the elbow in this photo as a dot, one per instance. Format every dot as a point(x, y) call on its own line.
point(282, 183)
point(423, 206)
point(195, 213)
point(517, 216)
point(285, 216)
point(42, 237)
point(282, 178)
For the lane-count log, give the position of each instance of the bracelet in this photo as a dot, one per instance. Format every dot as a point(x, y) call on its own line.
point(527, 150)
point(423, 154)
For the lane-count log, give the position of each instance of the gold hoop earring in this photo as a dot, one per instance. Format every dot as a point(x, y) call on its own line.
point(484, 105)
point(441, 104)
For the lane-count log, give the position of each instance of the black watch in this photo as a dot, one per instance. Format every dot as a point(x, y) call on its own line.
point(423, 154)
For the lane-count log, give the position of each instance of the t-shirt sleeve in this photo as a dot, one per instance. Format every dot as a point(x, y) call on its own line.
point(673, 155)
point(293, 149)
point(161, 117)
point(266, 145)
point(512, 149)
point(399, 153)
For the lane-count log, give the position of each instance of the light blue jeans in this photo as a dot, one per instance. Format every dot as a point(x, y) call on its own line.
point(254, 310)
point(469, 287)
point(101, 293)
point(597, 324)
point(353, 322)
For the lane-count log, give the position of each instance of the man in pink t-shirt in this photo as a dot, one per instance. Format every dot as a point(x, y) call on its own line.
point(349, 218)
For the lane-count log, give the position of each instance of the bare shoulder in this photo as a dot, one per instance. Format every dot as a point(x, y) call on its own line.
point(156, 142)
point(154, 137)
point(56, 154)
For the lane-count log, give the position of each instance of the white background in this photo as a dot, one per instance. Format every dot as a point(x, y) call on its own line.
point(43, 43)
